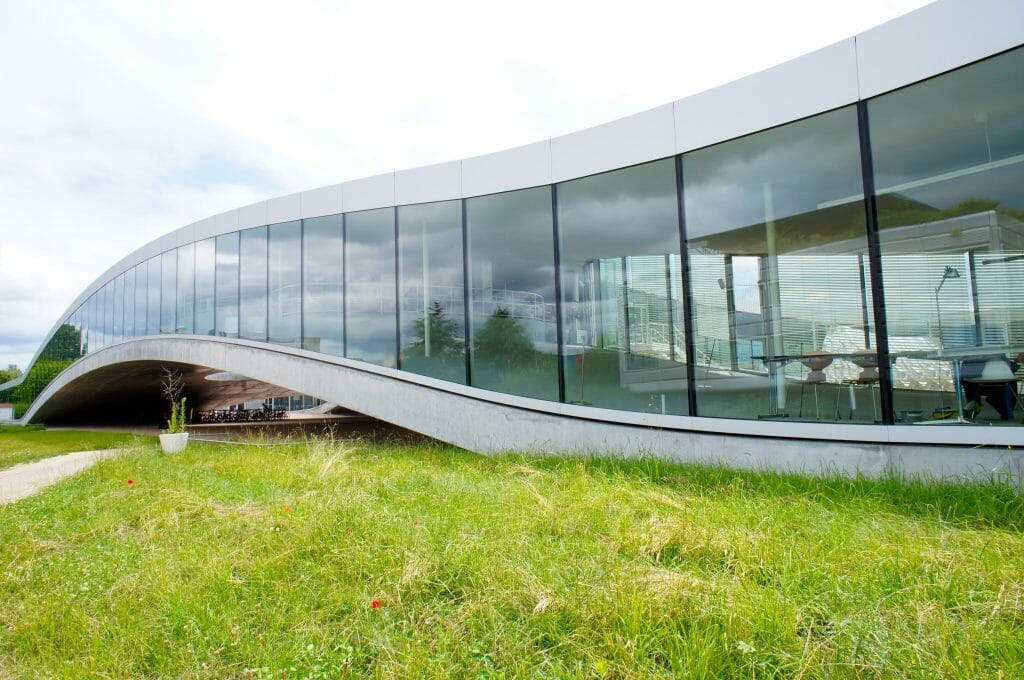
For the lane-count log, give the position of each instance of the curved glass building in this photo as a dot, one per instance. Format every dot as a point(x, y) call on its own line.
point(830, 250)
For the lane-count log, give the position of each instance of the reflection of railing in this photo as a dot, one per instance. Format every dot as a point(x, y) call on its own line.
point(518, 303)
point(448, 297)
point(370, 296)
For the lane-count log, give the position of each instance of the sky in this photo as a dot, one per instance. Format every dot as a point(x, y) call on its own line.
point(122, 121)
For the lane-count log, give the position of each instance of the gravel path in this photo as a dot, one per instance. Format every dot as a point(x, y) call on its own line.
point(23, 480)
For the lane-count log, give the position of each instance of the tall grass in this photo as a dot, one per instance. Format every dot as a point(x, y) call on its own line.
point(323, 560)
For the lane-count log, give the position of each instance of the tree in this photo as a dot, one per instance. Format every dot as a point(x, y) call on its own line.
point(503, 341)
point(9, 373)
point(436, 336)
point(65, 345)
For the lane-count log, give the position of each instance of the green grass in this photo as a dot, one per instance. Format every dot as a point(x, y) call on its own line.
point(230, 561)
point(26, 444)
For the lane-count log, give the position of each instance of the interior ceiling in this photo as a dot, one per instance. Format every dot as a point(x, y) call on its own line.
point(131, 393)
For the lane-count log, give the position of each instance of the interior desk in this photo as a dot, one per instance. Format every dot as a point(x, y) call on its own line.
point(776, 373)
point(956, 357)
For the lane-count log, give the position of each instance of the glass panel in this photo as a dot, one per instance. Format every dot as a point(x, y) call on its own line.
point(94, 325)
point(97, 320)
point(186, 288)
point(322, 279)
point(59, 352)
point(949, 175)
point(252, 268)
point(118, 332)
point(623, 346)
point(205, 295)
point(83, 328)
point(168, 293)
point(153, 304)
point(227, 285)
point(129, 303)
point(285, 293)
point(141, 296)
point(93, 340)
point(76, 324)
point(370, 286)
point(108, 314)
point(512, 293)
point(779, 278)
point(432, 312)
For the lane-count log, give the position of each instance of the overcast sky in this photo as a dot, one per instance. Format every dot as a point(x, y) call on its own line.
point(122, 121)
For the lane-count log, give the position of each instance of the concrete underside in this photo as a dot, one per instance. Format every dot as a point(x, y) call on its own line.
point(122, 382)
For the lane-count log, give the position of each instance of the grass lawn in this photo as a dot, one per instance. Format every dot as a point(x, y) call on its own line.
point(26, 444)
point(384, 561)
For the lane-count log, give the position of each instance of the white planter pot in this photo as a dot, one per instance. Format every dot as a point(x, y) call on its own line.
point(173, 443)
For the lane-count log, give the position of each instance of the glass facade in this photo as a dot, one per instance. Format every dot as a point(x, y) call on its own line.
point(186, 289)
point(226, 277)
point(948, 161)
point(205, 292)
point(623, 341)
point(323, 280)
point(108, 314)
point(285, 294)
point(863, 265)
point(118, 334)
point(141, 298)
point(432, 312)
point(252, 283)
point(779, 274)
point(371, 332)
point(168, 291)
point(153, 297)
point(129, 305)
point(513, 322)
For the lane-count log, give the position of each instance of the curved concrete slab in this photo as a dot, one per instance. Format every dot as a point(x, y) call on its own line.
point(489, 422)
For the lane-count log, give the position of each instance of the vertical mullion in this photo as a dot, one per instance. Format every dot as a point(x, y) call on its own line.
point(466, 330)
point(238, 285)
point(344, 286)
point(559, 340)
point(973, 278)
point(398, 301)
point(302, 283)
point(214, 286)
point(266, 284)
point(195, 287)
point(684, 262)
point(875, 265)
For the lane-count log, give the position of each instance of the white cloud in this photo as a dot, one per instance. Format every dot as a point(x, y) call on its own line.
point(123, 121)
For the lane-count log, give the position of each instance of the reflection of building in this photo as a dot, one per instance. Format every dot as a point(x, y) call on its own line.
point(694, 260)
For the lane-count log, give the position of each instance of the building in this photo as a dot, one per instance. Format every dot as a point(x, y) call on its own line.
point(828, 253)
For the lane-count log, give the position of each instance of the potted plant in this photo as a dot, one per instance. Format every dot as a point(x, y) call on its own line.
point(175, 437)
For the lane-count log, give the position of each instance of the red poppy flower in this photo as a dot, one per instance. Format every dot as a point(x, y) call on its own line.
point(287, 509)
point(131, 482)
point(375, 604)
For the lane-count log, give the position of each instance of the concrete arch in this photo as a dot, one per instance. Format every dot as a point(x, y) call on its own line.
point(490, 422)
